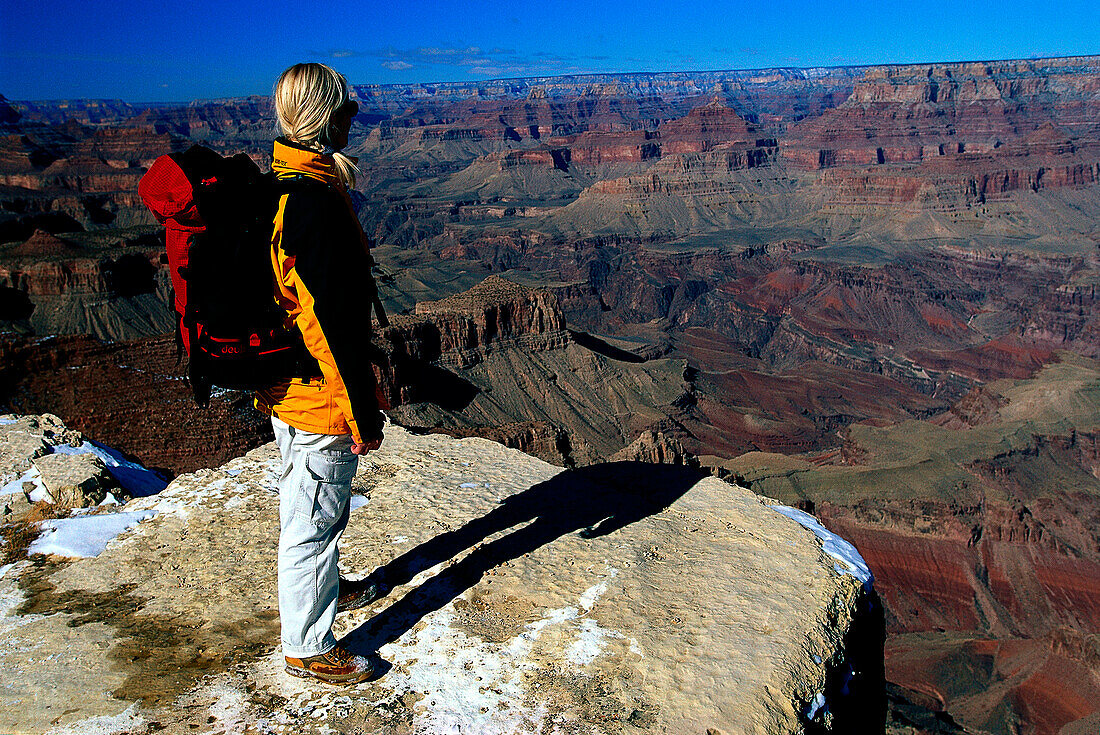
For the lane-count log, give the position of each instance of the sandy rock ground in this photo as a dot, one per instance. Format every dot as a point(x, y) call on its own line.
point(620, 598)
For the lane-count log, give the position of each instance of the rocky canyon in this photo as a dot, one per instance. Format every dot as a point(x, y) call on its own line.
point(869, 293)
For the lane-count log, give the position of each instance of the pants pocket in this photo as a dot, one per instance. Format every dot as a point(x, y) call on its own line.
point(327, 487)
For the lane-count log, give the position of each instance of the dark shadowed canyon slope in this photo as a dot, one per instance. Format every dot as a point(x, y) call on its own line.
point(869, 291)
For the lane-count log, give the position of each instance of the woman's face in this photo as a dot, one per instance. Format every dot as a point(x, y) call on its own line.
point(341, 124)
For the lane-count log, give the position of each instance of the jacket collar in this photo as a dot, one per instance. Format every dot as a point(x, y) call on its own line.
point(289, 159)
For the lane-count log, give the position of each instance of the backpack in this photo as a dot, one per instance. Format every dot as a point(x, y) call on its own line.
point(218, 214)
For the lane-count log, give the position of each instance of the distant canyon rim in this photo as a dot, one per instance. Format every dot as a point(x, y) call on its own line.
point(866, 291)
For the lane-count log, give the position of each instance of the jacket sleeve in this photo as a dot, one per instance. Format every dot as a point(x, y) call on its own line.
point(333, 272)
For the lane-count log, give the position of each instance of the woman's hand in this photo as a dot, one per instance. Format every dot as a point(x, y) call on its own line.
point(367, 446)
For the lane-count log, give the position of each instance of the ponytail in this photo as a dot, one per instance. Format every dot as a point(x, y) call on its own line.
point(306, 98)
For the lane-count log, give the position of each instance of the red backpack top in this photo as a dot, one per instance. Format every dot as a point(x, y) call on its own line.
point(218, 216)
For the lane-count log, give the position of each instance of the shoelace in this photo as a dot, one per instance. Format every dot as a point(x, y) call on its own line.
point(340, 655)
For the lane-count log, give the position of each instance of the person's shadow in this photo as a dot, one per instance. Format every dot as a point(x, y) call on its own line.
point(595, 500)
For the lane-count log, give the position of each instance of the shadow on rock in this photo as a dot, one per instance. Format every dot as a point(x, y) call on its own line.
point(594, 500)
point(855, 688)
point(15, 305)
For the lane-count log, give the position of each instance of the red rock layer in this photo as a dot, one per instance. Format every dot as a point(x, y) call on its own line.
point(687, 175)
point(130, 396)
point(59, 272)
point(905, 114)
point(957, 182)
point(1015, 597)
point(459, 330)
point(1005, 357)
point(597, 147)
point(952, 137)
point(977, 407)
point(494, 309)
point(777, 95)
point(705, 128)
point(42, 244)
point(534, 118)
point(797, 411)
point(1034, 686)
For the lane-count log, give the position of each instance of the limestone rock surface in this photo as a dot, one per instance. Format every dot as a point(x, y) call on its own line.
point(76, 480)
point(618, 598)
point(22, 438)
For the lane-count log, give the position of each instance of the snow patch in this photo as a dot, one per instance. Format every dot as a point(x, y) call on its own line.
point(132, 476)
point(835, 546)
point(466, 679)
point(37, 493)
point(590, 643)
point(106, 725)
point(307, 704)
point(358, 501)
point(473, 685)
point(591, 638)
point(815, 706)
point(595, 592)
point(229, 710)
point(84, 536)
point(236, 502)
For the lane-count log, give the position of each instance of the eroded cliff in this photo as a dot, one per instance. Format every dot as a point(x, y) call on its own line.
point(981, 527)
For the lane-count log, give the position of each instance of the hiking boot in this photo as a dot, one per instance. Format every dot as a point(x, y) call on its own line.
point(358, 593)
point(338, 666)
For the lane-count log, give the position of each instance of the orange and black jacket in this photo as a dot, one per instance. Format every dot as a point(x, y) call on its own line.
point(323, 280)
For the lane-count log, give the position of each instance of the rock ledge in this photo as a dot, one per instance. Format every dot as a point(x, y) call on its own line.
point(619, 598)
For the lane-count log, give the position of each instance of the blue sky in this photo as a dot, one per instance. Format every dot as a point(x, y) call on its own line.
point(149, 51)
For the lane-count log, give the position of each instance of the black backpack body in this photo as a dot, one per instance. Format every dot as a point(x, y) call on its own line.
point(218, 213)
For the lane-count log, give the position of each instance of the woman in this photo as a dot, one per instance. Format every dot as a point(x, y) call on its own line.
point(324, 420)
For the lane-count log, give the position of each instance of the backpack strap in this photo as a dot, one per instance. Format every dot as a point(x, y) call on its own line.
point(197, 378)
point(376, 301)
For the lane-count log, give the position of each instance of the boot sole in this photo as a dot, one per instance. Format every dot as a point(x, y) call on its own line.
point(333, 680)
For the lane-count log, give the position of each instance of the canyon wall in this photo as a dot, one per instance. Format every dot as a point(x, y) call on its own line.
point(980, 525)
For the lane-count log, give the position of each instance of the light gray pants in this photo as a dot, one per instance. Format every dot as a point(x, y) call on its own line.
point(314, 494)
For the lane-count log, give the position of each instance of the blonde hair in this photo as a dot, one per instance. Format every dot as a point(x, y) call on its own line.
point(306, 97)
